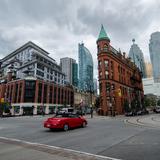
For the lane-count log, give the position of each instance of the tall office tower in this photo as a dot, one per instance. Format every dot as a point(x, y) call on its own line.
point(137, 57)
point(148, 69)
point(70, 69)
point(154, 49)
point(85, 68)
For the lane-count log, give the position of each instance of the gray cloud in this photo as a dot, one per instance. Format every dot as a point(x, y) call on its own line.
point(59, 25)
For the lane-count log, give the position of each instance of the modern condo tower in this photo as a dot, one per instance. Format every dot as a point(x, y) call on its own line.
point(154, 49)
point(31, 82)
point(137, 57)
point(85, 68)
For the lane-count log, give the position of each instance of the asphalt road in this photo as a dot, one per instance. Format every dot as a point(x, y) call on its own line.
point(103, 136)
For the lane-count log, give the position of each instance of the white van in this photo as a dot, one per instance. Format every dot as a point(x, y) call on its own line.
point(66, 110)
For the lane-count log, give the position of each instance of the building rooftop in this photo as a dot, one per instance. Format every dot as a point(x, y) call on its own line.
point(103, 34)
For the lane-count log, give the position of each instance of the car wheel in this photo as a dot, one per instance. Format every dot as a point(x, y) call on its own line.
point(66, 127)
point(84, 124)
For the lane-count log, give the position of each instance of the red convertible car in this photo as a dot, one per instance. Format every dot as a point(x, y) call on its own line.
point(65, 122)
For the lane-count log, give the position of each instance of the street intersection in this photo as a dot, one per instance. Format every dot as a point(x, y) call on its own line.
point(128, 138)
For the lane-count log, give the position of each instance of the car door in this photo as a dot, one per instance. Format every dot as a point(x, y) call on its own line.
point(77, 120)
point(70, 120)
point(73, 120)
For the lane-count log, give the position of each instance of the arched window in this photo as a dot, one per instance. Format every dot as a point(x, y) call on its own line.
point(105, 47)
point(106, 63)
point(99, 63)
point(108, 87)
point(107, 74)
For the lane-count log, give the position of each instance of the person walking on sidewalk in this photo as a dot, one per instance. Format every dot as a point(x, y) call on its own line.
point(91, 112)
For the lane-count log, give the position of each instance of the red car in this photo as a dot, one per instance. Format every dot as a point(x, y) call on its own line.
point(65, 122)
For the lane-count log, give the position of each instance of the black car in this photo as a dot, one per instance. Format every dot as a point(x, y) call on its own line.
point(129, 114)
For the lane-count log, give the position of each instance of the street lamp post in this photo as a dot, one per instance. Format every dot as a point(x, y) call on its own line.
point(113, 101)
point(91, 100)
point(89, 88)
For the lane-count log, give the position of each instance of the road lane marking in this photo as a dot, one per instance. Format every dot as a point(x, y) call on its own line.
point(34, 144)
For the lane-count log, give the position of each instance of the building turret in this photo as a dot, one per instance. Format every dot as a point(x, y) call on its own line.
point(103, 48)
point(103, 41)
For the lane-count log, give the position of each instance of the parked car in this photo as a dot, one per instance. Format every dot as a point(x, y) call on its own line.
point(145, 111)
point(65, 121)
point(156, 109)
point(139, 112)
point(66, 110)
point(129, 114)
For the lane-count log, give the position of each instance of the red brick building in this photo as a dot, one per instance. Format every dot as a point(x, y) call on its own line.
point(119, 79)
point(31, 96)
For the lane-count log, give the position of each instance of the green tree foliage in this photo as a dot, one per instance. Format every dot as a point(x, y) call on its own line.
point(133, 105)
point(149, 102)
point(158, 102)
point(126, 106)
point(153, 101)
point(97, 102)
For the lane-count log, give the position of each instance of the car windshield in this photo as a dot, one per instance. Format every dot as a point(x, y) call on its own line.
point(66, 115)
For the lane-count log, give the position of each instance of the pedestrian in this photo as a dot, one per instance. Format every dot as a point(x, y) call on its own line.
point(43, 111)
point(91, 112)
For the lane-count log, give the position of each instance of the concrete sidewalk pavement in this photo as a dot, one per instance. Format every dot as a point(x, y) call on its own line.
point(152, 121)
point(22, 150)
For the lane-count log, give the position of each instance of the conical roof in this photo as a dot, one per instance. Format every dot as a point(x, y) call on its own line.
point(103, 34)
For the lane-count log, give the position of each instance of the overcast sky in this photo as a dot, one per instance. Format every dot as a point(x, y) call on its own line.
point(59, 25)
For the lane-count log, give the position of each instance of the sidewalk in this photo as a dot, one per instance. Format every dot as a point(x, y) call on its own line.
point(21, 150)
point(152, 121)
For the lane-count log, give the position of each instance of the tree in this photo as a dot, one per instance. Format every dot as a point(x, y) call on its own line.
point(147, 102)
point(158, 102)
point(97, 103)
point(133, 105)
point(138, 105)
point(126, 106)
point(153, 101)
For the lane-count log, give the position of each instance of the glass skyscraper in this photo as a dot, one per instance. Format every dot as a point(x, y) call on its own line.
point(75, 74)
point(154, 49)
point(137, 57)
point(85, 68)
